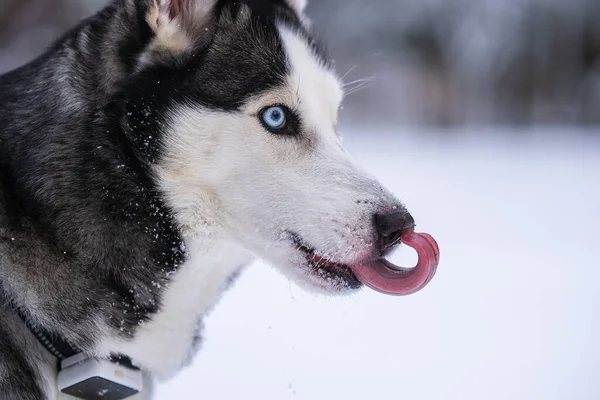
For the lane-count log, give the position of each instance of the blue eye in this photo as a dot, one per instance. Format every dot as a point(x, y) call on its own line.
point(274, 118)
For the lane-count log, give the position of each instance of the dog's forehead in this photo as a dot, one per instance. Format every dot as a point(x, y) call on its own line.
point(310, 86)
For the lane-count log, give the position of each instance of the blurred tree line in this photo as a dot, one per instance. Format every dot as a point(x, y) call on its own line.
point(439, 62)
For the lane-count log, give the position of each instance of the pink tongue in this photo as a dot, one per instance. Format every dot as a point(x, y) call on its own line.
point(385, 277)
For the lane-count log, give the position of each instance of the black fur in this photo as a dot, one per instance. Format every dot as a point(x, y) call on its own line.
point(21, 379)
point(85, 237)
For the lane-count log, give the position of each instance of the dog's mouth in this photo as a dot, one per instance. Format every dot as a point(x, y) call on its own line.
point(329, 270)
point(378, 274)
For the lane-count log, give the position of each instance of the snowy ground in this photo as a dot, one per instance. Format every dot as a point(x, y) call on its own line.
point(513, 313)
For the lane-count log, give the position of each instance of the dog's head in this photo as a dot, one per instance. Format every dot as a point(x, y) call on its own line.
point(248, 138)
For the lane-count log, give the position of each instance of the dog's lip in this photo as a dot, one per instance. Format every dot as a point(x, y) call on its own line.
point(383, 276)
point(320, 263)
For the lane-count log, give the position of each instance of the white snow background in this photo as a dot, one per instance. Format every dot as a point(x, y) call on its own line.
point(513, 312)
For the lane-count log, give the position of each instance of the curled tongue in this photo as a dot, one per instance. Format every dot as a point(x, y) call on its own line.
point(385, 277)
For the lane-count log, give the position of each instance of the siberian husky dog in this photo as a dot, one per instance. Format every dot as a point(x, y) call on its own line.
point(149, 155)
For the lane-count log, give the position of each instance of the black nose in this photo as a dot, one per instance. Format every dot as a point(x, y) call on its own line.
point(391, 226)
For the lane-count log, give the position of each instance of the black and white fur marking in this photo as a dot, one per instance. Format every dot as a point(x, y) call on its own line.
point(136, 178)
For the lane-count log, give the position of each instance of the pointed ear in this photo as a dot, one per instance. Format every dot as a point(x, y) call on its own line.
point(180, 25)
point(298, 5)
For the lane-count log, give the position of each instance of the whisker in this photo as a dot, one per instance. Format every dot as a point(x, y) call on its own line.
point(348, 73)
point(358, 84)
point(367, 79)
point(356, 89)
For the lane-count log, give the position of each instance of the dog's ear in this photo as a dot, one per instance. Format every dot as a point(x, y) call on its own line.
point(298, 5)
point(180, 25)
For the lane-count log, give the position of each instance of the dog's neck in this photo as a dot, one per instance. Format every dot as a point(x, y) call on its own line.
point(167, 342)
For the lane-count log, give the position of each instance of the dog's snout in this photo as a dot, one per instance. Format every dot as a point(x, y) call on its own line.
point(391, 226)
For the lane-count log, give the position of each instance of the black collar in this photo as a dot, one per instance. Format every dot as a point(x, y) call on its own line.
point(60, 348)
point(56, 345)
